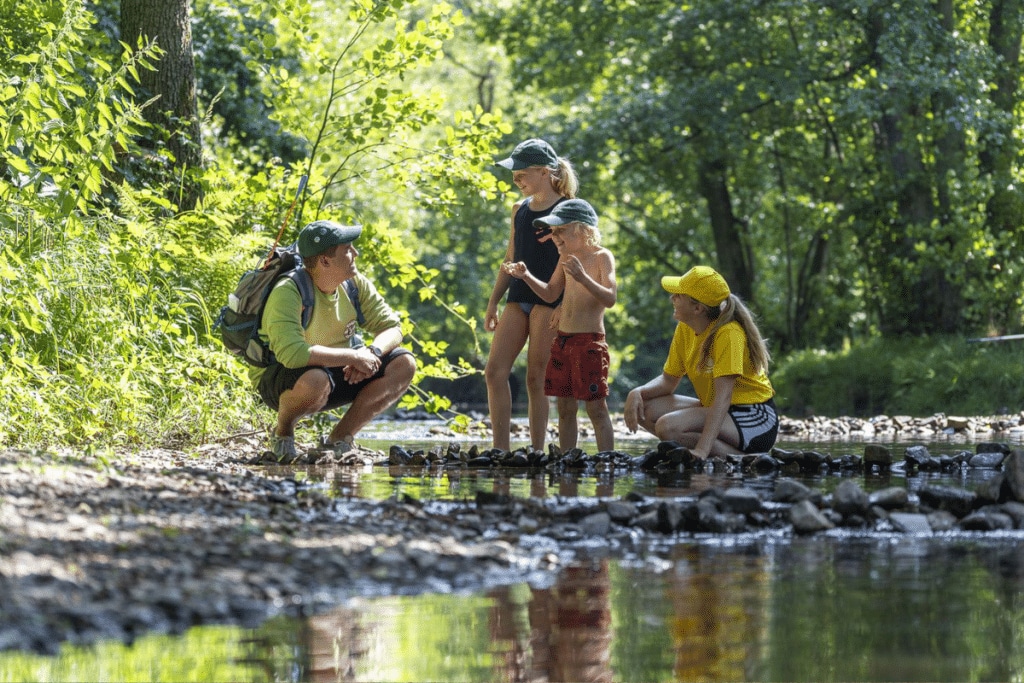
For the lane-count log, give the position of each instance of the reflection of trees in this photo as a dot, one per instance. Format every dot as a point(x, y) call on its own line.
point(567, 628)
point(717, 609)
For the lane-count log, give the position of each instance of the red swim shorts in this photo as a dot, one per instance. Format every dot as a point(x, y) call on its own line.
point(578, 367)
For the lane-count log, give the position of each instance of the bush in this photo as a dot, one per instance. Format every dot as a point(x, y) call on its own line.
point(919, 376)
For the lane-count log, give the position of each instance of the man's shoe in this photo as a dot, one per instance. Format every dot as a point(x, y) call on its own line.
point(283, 448)
point(343, 447)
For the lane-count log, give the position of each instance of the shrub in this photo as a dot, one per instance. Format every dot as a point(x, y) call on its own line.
point(913, 376)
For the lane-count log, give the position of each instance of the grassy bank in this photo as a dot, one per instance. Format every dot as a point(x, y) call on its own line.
point(914, 376)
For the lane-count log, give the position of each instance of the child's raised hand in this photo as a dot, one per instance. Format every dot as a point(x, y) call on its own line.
point(516, 269)
point(573, 267)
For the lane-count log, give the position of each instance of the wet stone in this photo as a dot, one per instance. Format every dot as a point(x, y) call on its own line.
point(992, 447)
point(807, 519)
point(621, 512)
point(877, 455)
point(597, 524)
point(910, 523)
point(958, 502)
point(849, 498)
point(1013, 470)
point(790, 491)
point(986, 520)
point(742, 500)
point(889, 498)
point(914, 456)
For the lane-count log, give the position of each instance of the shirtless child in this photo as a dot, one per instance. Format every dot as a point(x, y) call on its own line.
point(578, 368)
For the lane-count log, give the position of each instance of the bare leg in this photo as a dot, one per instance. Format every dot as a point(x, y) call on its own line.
point(307, 397)
point(537, 356)
point(602, 422)
point(509, 339)
point(655, 408)
point(376, 397)
point(686, 425)
point(568, 430)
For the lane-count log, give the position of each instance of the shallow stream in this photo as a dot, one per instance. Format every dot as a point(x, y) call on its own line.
point(838, 606)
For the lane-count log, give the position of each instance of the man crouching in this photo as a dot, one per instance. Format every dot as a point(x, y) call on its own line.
point(317, 368)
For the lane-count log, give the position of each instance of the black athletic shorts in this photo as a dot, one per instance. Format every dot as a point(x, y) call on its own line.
point(758, 425)
point(278, 379)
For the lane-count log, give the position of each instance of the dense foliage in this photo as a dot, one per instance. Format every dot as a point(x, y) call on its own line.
point(851, 166)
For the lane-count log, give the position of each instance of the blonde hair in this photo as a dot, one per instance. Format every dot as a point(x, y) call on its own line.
point(564, 179)
point(731, 309)
point(591, 237)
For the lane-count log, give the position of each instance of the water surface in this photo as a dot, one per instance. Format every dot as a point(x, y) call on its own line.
point(840, 606)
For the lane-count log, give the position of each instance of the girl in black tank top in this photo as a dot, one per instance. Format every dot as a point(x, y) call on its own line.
point(534, 247)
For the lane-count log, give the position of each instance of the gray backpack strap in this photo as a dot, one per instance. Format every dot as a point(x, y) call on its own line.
point(300, 276)
point(353, 296)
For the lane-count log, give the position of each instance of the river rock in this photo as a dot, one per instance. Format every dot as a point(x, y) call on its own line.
point(790, 491)
point(959, 502)
point(1013, 470)
point(910, 522)
point(849, 499)
point(889, 498)
point(742, 500)
point(670, 517)
point(1016, 511)
point(621, 512)
point(987, 460)
point(807, 519)
point(876, 455)
point(941, 520)
point(597, 524)
point(992, 447)
point(988, 518)
point(915, 455)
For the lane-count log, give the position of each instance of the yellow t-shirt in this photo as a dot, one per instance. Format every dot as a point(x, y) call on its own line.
point(729, 355)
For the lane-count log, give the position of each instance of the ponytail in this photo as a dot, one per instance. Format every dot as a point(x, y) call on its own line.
point(734, 309)
point(564, 179)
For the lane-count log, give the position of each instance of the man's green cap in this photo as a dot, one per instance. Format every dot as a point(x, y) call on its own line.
point(570, 211)
point(532, 152)
point(319, 236)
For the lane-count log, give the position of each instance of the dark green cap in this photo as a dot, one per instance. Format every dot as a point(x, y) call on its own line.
point(532, 152)
point(569, 211)
point(319, 236)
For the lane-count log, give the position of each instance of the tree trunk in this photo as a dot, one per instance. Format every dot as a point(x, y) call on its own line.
point(919, 299)
point(734, 262)
point(174, 82)
point(1005, 208)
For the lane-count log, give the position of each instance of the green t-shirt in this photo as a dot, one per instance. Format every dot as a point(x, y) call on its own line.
point(333, 322)
point(729, 356)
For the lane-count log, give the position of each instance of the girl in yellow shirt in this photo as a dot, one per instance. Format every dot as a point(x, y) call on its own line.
point(718, 347)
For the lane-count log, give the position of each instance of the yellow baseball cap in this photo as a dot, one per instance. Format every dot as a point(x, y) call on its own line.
point(701, 283)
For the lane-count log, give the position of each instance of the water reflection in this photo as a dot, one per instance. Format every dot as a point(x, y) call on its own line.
point(561, 633)
point(836, 608)
point(462, 484)
point(852, 609)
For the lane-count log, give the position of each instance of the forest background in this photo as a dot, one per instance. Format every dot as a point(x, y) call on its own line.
point(851, 166)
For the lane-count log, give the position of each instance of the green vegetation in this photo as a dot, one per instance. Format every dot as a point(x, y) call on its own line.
point(911, 376)
point(852, 170)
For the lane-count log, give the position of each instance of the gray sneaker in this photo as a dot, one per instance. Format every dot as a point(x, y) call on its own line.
point(283, 448)
point(343, 447)
point(331, 452)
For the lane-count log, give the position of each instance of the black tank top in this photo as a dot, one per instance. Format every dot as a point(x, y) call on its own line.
point(534, 247)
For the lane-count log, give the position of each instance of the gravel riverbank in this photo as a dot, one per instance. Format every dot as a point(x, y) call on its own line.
point(113, 546)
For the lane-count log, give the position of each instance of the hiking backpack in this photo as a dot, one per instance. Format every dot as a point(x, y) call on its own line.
point(240, 319)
